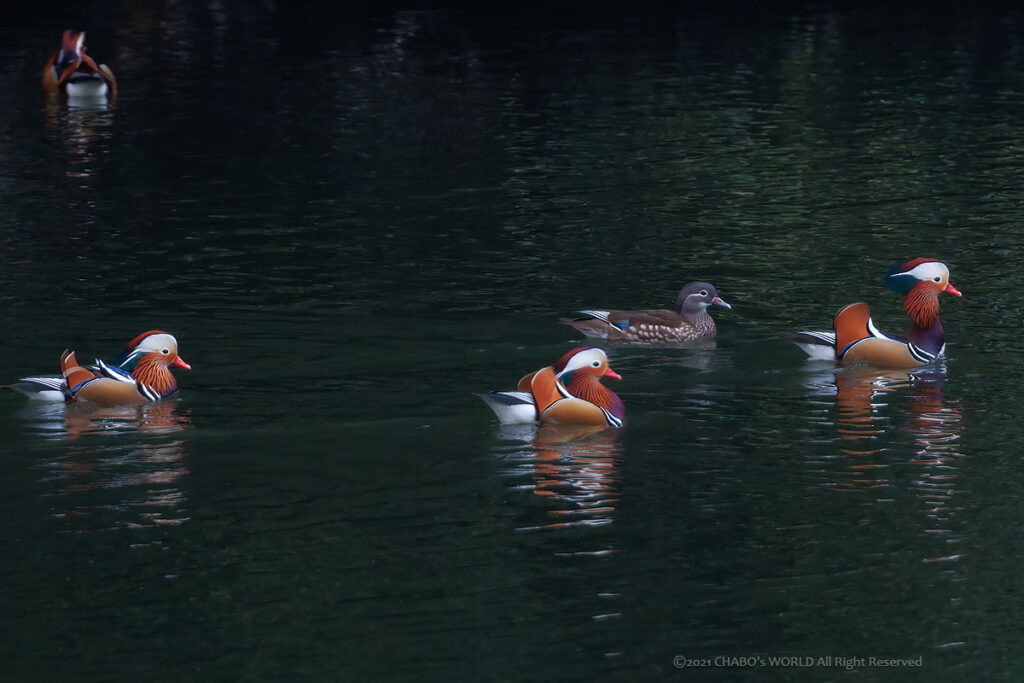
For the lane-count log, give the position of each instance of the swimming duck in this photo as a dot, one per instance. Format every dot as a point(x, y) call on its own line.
point(688, 322)
point(140, 374)
point(568, 393)
point(855, 339)
point(75, 72)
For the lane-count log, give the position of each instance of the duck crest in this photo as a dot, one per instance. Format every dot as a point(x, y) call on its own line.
point(910, 265)
point(124, 359)
point(138, 340)
point(567, 356)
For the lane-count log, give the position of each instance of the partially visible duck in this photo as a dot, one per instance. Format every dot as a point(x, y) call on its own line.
point(74, 72)
point(140, 374)
point(855, 339)
point(568, 393)
point(688, 322)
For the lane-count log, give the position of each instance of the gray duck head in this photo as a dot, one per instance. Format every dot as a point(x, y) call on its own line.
point(695, 297)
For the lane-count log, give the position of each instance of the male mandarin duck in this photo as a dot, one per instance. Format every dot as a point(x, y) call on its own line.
point(74, 71)
point(688, 322)
point(140, 374)
point(855, 338)
point(568, 393)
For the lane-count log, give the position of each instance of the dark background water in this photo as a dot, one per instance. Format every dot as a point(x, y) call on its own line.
point(353, 218)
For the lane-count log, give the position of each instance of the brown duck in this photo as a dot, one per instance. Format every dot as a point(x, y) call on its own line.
point(689, 320)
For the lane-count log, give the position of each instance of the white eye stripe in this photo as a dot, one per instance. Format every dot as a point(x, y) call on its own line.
point(590, 357)
point(929, 271)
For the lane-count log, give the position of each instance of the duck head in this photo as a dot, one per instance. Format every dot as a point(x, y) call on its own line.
point(920, 282)
point(70, 53)
point(154, 346)
point(584, 361)
point(580, 371)
point(696, 297)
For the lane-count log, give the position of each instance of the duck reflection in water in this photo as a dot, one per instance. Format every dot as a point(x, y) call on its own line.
point(83, 129)
point(122, 465)
point(934, 423)
point(574, 469)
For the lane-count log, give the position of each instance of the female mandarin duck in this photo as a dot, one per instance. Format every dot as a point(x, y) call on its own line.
point(855, 338)
point(140, 374)
point(569, 393)
point(688, 322)
point(75, 72)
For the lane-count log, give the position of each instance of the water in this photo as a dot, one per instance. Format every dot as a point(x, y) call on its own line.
point(352, 231)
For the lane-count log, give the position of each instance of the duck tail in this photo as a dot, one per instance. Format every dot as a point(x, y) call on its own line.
point(74, 374)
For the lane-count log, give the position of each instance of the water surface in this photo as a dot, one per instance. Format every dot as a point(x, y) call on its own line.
point(350, 236)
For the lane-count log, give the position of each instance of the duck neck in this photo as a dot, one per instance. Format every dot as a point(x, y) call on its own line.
point(931, 338)
point(696, 314)
point(155, 374)
point(922, 305)
point(590, 389)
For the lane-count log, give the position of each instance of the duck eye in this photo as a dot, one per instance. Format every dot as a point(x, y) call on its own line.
point(703, 292)
point(596, 363)
point(165, 351)
point(937, 278)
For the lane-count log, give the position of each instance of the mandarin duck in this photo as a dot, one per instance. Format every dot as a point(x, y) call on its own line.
point(140, 374)
point(568, 393)
point(688, 322)
point(75, 72)
point(855, 339)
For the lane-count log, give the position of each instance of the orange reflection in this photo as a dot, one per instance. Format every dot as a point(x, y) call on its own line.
point(854, 393)
point(860, 395)
point(162, 417)
point(121, 466)
point(575, 470)
point(863, 399)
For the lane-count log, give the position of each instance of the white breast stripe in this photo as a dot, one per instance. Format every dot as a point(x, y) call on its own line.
point(611, 419)
point(875, 332)
point(920, 354)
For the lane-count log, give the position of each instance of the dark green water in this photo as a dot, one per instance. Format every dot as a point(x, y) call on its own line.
point(353, 221)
